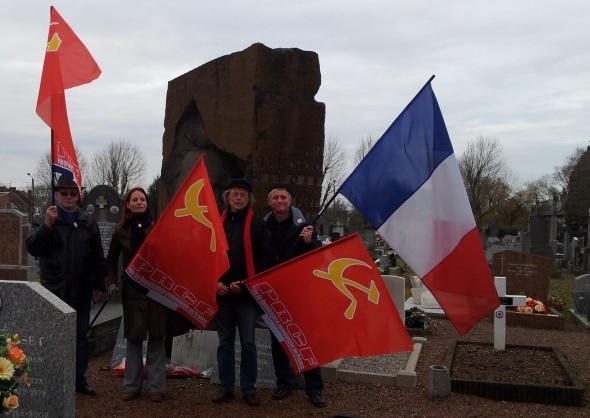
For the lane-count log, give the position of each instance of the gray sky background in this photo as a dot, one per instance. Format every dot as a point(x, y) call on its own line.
point(518, 71)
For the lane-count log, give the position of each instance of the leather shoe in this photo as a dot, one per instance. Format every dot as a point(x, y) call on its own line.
point(86, 389)
point(156, 397)
point(317, 399)
point(222, 397)
point(251, 399)
point(281, 392)
point(129, 396)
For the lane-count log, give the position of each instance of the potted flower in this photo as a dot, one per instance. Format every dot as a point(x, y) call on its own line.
point(416, 318)
point(14, 368)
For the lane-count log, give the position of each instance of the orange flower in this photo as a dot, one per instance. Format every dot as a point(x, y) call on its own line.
point(10, 403)
point(17, 356)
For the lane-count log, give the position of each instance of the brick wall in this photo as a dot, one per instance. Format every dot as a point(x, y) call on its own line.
point(14, 257)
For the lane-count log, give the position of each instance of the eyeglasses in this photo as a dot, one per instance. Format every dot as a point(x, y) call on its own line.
point(65, 193)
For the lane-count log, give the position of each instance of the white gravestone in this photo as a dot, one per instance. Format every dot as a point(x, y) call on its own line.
point(198, 350)
point(396, 287)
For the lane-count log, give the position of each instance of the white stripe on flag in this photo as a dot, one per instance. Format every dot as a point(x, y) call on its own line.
point(430, 224)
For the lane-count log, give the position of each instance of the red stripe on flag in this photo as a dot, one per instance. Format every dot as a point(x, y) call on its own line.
point(462, 284)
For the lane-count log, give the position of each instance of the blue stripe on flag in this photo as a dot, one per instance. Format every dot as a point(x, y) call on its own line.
point(400, 161)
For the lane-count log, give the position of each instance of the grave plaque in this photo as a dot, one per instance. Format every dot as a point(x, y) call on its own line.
point(526, 274)
point(47, 327)
point(197, 350)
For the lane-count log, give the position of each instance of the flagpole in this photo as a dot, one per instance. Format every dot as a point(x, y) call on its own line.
point(52, 169)
point(325, 207)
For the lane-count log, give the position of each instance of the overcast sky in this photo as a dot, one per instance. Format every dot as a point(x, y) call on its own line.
point(518, 71)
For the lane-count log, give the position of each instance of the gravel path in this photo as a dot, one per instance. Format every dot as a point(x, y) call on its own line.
point(190, 398)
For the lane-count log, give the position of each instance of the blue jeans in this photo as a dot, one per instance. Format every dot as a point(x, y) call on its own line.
point(284, 371)
point(241, 312)
point(82, 321)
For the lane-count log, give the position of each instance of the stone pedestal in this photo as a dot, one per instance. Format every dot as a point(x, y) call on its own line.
point(438, 383)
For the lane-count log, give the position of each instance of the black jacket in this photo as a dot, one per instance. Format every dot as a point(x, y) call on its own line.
point(285, 240)
point(233, 225)
point(71, 258)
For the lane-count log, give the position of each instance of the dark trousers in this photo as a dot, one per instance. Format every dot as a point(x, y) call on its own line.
point(82, 321)
point(240, 313)
point(284, 371)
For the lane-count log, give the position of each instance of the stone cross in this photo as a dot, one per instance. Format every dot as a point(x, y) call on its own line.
point(101, 202)
point(500, 312)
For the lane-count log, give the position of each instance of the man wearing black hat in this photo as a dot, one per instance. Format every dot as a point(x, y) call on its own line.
point(291, 236)
point(67, 242)
point(249, 253)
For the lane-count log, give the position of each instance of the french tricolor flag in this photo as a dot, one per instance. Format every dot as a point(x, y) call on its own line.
point(410, 189)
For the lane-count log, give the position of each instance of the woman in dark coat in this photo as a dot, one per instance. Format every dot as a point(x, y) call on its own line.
point(143, 317)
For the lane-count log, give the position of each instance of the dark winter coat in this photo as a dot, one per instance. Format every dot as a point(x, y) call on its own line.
point(71, 258)
point(286, 243)
point(261, 249)
point(141, 314)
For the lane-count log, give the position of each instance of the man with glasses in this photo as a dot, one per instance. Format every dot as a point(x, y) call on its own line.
point(71, 259)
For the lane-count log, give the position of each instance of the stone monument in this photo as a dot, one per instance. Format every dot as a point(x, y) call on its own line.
point(253, 114)
point(47, 327)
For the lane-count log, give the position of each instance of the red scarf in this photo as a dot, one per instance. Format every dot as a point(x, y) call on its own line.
point(247, 241)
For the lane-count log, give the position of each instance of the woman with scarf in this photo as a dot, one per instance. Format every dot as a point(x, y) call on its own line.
point(143, 317)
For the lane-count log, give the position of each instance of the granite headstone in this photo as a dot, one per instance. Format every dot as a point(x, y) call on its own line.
point(526, 274)
point(105, 205)
point(47, 327)
point(581, 295)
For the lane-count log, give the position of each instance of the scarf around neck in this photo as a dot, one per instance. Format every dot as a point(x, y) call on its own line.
point(70, 217)
point(247, 241)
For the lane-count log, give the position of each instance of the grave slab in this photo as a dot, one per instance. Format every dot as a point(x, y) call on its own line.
point(47, 327)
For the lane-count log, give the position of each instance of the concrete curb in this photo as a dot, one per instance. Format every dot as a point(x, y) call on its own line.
point(404, 378)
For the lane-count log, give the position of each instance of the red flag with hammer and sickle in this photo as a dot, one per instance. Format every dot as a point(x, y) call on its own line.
point(67, 64)
point(329, 304)
point(184, 255)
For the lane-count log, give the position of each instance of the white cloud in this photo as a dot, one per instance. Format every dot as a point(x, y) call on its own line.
point(517, 71)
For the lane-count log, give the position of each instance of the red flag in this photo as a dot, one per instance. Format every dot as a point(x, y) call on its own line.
point(329, 304)
point(186, 252)
point(67, 64)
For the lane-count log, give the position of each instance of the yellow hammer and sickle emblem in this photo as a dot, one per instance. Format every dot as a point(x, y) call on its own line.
point(54, 43)
point(335, 274)
point(194, 209)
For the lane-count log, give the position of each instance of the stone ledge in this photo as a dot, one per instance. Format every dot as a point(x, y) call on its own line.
point(551, 320)
point(405, 377)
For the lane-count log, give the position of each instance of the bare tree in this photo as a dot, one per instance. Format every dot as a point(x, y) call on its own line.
point(488, 180)
point(334, 168)
point(120, 165)
point(513, 213)
point(363, 148)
